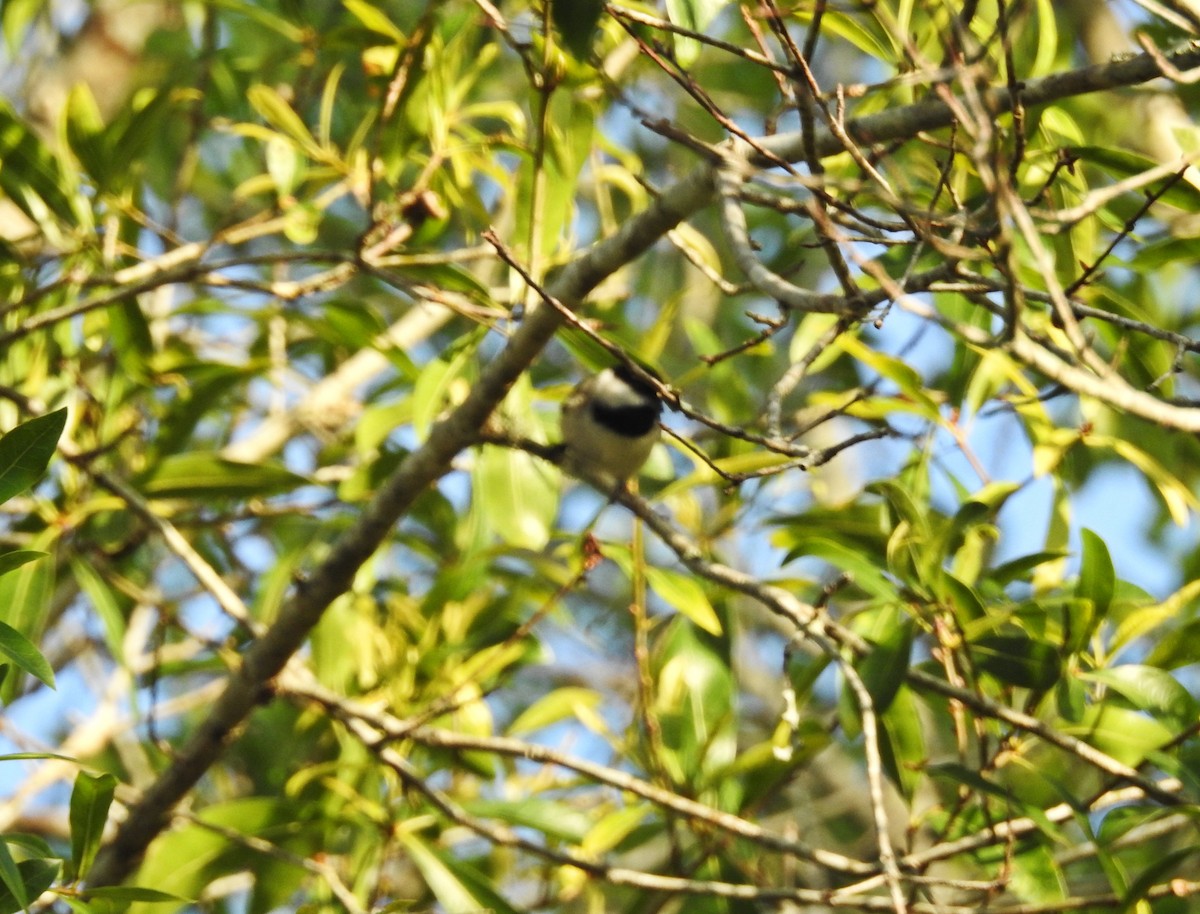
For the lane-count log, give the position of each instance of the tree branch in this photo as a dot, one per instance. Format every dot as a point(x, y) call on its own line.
point(249, 685)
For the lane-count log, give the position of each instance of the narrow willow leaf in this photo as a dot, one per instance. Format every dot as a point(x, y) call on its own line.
point(25, 452)
point(21, 651)
point(90, 801)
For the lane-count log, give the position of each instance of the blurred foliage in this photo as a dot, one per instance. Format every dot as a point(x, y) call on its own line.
point(255, 286)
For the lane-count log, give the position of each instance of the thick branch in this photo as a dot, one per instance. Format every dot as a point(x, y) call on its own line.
point(248, 686)
point(933, 114)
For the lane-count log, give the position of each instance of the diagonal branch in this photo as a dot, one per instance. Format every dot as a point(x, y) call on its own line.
point(249, 685)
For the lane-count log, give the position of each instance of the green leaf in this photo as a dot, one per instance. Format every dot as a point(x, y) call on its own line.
point(693, 701)
point(1017, 659)
point(36, 876)
point(1149, 689)
point(1162, 868)
point(34, 179)
point(965, 601)
point(202, 474)
point(874, 44)
point(984, 503)
point(1126, 164)
point(10, 876)
point(553, 181)
point(22, 652)
point(1097, 581)
point(1047, 30)
point(27, 756)
point(882, 670)
point(613, 828)
point(1071, 698)
point(516, 497)
point(104, 601)
point(279, 114)
point(862, 567)
point(906, 378)
point(25, 452)
point(576, 23)
point(687, 596)
point(440, 383)
point(962, 775)
point(90, 801)
point(902, 742)
point(16, 16)
point(559, 704)
point(449, 277)
point(136, 131)
point(1128, 736)
point(18, 557)
point(354, 324)
point(1176, 648)
point(1097, 577)
point(302, 223)
point(285, 164)
point(1181, 502)
point(25, 594)
point(185, 860)
point(456, 884)
point(550, 817)
point(694, 15)
point(127, 893)
point(1018, 569)
point(1147, 618)
point(85, 135)
point(1037, 876)
point(1152, 256)
point(371, 16)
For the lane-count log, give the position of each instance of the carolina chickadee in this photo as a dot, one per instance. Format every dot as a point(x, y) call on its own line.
point(610, 424)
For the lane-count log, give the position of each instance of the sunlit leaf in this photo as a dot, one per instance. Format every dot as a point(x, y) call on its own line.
point(1148, 689)
point(456, 884)
point(966, 602)
point(105, 603)
point(1125, 163)
point(1128, 736)
point(693, 15)
point(685, 594)
point(16, 16)
point(855, 30)
point(26, 451)
point(128, 893)
point(280, 115)
point(1145, 619)
point(863, 569)
point(35, 180)
point(1096, 581)
point(90, 801)
point(1179, 499)
point(21, 652)
point(903, 742)
point(890, 632)
point(516, 495)
point(611, 829)
point(17, 558)
point(375, 19)
point(547, 816)
point(199, 474)
point(561, 704)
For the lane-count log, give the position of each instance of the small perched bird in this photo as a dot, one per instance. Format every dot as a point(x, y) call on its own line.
point(610, 424)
